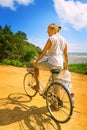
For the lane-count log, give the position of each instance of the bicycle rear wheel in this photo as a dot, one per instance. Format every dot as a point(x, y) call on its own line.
point(59, 102)
point(28, 82)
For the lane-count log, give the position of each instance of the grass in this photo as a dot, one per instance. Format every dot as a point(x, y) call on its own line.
point(78, 68)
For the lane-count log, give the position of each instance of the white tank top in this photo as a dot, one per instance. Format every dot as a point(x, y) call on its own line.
point(55, 53)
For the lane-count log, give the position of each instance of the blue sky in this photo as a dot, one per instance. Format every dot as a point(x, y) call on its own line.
point(33, 17)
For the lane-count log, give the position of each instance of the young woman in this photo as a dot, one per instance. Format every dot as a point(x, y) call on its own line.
point(56, 50)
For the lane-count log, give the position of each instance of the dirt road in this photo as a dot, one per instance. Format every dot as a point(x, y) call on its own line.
point(19, 112)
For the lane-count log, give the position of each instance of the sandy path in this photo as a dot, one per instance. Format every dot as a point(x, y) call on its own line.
point(29, 114)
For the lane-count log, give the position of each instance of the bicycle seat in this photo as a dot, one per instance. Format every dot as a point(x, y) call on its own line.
point(55, 71)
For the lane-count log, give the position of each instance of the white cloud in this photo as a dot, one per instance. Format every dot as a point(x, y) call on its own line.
point(77, 47)
point(11, 3)
point(24, 2)
point(72, 12)
point(7, 3)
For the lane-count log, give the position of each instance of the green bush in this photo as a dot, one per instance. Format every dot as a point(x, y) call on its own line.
point(16, 63)
point(6, 61)
point(78, 68)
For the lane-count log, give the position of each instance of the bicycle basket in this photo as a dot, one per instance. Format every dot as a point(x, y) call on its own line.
point(29, 65)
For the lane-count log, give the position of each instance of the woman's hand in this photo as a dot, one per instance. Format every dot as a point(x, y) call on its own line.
point(34, 62)
point(66, 67)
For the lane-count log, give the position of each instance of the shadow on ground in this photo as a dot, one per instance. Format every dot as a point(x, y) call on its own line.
point(14, 109)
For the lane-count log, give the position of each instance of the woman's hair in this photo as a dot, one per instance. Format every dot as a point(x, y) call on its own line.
point(54, 26)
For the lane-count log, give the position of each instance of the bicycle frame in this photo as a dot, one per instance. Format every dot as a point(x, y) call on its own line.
point(54, 98)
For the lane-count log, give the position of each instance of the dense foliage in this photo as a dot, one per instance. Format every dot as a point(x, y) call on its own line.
point(14, 48)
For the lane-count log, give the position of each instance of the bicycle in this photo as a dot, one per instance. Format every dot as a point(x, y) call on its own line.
point(58, 98)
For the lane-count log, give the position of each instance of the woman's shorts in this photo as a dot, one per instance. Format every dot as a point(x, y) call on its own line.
point(44, 65)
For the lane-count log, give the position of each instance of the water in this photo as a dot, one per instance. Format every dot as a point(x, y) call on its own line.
point(77, 58)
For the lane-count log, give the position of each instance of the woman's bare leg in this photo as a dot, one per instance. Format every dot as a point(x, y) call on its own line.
point(36, 71)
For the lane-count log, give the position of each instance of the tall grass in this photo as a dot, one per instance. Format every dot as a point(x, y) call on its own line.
point(78, 68)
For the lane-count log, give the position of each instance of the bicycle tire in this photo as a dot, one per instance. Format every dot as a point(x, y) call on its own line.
point(62, 108)
point(28, 82)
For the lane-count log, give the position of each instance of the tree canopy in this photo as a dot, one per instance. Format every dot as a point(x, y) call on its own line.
point(14, 46)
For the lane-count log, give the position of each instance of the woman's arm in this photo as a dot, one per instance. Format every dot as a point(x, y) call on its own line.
point(47, 46)
point(65, 52)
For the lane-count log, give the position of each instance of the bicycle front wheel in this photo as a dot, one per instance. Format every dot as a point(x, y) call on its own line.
point(59, 102)
point(28, 82)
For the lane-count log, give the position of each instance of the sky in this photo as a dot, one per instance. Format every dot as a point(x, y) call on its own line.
point(33, 17)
